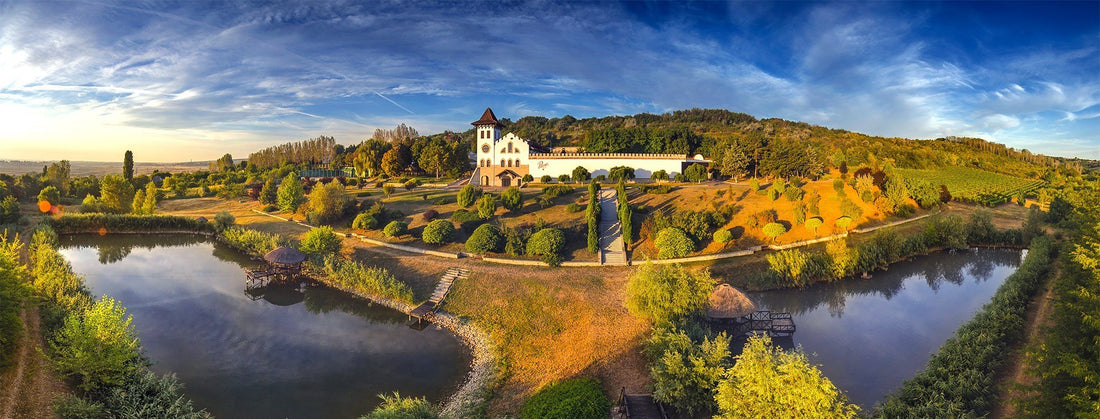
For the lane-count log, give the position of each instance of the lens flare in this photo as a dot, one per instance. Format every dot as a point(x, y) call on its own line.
point(44, 206)
point(102, 231)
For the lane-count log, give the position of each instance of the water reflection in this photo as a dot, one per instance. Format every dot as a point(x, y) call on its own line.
point(870, 335)
point(282, 352)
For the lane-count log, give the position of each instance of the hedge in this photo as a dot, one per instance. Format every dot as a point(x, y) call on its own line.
point(959, 378)
point(84, 223)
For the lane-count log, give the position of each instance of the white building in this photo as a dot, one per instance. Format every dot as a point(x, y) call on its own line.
point(504, 160)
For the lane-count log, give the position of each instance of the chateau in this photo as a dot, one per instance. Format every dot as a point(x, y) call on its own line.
point(504, 160)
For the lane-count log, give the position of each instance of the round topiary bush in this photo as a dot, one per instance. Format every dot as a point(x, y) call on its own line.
point(548, 241)
point(438, 232)
point(580, 398)
point(672, 242)
point(486, 238)
point(430, 215)
point(395, 229)
point(723, 236)
point(365, 222)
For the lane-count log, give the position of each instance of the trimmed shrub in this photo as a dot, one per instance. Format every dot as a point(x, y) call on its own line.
point(395, 229)
point(548, 241)
point(556, 191)
point(512, 199)
point(580, 398)
point(723, 236)
point(774, 230)
point(365, 221)
point(438, 232)
point(573, 207)
point(672, 242)
point(429, 215)
point(486, 206)
point(546, 179)
point(469, 195)
point(486, 238)
point(85, 223)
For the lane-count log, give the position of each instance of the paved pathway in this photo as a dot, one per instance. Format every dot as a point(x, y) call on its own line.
point(611, 234)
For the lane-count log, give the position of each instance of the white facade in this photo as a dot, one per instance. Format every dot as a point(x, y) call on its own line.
point(601, 163)
point(503, 160)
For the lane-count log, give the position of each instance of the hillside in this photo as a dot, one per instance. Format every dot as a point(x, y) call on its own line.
point(741, 142)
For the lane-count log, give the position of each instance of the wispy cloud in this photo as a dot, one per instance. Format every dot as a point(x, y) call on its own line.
point(197, 80)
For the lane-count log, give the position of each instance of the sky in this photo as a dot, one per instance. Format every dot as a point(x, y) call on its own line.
point(176, 81)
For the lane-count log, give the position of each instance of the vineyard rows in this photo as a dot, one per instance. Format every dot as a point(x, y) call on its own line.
point(976, 186)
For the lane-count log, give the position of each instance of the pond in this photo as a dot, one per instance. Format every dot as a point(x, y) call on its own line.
point(282, 353)
point(868, 336)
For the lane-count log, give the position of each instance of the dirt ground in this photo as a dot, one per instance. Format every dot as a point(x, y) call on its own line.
point(1015, 371)
point(27, 389)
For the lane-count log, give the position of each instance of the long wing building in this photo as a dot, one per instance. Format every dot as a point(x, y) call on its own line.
point(503, 160)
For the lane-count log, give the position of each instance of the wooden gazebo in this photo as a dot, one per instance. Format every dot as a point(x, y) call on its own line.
point(282, 263)
point(728, 303)
point(285, 261)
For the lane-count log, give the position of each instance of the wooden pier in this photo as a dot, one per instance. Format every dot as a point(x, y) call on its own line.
point(764, 321)
point(426, 311)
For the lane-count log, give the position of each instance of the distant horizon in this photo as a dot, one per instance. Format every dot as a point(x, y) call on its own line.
point(184, 80)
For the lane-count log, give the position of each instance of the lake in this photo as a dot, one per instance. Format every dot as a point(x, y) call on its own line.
point(315, 353)
point(868, 336)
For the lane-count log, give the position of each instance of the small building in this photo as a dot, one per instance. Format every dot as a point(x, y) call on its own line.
point(503, 160)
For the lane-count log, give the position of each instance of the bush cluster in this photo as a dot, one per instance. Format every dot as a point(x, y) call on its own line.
point(320, 241)
point(547, 243)
point(555, 191)
point(369, 280)
point(252, 241)
point(580, 398)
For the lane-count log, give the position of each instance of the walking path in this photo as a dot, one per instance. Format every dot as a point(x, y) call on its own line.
point(612, 251)
point(426, 311)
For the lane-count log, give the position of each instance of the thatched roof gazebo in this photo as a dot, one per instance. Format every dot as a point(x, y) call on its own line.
point(285, 261)
point(728, 303)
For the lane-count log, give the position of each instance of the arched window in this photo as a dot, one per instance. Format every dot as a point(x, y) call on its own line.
point(509, 163)
point(502, 162)
point(517, 162)
point(510, 147)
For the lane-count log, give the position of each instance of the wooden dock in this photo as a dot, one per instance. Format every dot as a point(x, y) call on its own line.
point(774, 324)
point(426, 311)
point(637, 406)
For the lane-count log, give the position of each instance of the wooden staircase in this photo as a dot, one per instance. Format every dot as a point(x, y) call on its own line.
point(426, 310)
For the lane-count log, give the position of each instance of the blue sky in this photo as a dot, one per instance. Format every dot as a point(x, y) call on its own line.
point(191, 80)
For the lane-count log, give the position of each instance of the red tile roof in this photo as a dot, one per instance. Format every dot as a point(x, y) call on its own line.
point(487, 118)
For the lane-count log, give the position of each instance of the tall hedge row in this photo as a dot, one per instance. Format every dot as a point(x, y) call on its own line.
point(592, 215)
point(83, 223)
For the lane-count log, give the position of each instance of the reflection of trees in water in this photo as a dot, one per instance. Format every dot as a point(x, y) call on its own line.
point(936, 268)
point(320, 300)
point(115, 247)
point(111, 253)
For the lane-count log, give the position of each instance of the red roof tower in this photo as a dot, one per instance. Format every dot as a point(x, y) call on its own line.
point(487, 118)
